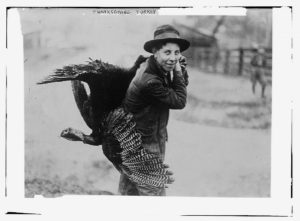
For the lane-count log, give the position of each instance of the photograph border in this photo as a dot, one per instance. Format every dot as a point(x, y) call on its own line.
point(280, 202)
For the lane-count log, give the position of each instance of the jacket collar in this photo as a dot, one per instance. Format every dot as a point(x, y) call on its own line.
point(154, 68)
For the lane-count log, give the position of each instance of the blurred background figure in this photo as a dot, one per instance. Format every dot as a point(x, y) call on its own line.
point(258, 65)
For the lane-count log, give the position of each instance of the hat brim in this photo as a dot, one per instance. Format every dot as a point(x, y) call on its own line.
point(183, 44)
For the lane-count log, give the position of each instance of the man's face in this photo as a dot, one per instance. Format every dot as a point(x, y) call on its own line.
point(168, 56)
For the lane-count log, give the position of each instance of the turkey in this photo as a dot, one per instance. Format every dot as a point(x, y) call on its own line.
point(112, 127)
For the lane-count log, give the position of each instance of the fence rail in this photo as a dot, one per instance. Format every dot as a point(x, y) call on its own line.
point(231, 62)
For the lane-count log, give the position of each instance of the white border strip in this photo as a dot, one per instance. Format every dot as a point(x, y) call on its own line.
point(147, 3)
point(281, 108)
point(203, 11)
point(2, 99)
point(15, 107)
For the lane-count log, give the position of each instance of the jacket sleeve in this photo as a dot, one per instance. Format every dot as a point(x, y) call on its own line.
point(173, 98)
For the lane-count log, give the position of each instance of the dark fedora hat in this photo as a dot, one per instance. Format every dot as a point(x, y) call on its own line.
point(164, 34)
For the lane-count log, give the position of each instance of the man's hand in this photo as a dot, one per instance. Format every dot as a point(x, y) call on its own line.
point(183, 63)
point(177, 67)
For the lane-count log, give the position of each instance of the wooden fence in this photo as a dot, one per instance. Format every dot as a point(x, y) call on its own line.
point(231, 62)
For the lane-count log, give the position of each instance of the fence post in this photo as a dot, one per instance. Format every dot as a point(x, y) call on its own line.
point(215, 59)
point(200, 58)
point(206, 55)
point(195, 57)
point(241, 61)
point(226, 64)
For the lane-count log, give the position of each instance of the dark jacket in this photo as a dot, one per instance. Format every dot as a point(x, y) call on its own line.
point(149, 97)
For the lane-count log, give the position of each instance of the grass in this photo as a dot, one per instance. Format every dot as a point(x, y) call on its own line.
point(218, 100)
